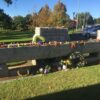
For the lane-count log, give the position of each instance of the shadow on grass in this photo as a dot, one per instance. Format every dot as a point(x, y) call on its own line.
point(85, 93)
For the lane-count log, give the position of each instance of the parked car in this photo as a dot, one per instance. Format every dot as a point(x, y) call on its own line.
point(91, 31)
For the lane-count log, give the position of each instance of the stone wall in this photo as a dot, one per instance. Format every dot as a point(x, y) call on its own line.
point(35, 52)
point(44, 52)
point(52, 34)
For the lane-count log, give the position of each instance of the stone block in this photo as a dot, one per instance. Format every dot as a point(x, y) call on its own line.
point(52, 34)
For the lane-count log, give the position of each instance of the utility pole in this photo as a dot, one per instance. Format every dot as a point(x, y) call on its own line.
point(77, 17)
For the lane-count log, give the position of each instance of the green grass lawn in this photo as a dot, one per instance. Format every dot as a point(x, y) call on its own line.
point(76, 84)
point(15, 36)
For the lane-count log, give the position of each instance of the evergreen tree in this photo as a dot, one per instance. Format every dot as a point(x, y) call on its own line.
point(8, 1)
point(85, 19)
point(5, 20)
point(19, 23)
point(97, 21)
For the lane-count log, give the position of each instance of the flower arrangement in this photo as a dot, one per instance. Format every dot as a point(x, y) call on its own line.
point(65, 63)
point(47, 69)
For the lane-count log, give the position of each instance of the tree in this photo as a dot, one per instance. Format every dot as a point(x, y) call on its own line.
point(43, 16)
point(81, 19)
point(59, 15)
point(8, 1)
point(89, 18)
point(5, 20)
point(33, 21)
point(19, 23)
point(27, 21)
point(97, 21)
point(84, 19)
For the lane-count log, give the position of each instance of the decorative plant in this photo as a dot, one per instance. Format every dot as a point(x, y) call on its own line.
point(47, 69)
point(38, 39)
point(65, 63)
point(41, 70)
point(77, 59)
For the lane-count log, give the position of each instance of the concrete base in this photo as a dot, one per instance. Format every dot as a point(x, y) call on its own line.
point(3, 70)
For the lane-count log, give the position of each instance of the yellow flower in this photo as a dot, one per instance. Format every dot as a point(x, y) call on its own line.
point(68, 62)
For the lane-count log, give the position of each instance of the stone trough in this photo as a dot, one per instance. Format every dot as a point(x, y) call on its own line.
point(43, 52)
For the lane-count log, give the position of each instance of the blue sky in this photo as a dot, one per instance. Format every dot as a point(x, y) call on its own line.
point(23, 7)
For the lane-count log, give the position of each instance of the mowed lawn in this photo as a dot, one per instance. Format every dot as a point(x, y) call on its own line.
point(15, 36)
point(76, 84)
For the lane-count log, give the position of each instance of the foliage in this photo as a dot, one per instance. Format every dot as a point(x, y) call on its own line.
point(33, 21)
point(77, 59)
point(16, 23)
point(85, 19)
point(48, 67)
point(31, 87)
point(27, 21)
point(72, 25)
point(71, 31)
point(43, 16)
point(44, 70)
point(59, 16)
point(65, 62)
point(19, 23)
point(8, 1)
point(97, 21)
point(5, 20)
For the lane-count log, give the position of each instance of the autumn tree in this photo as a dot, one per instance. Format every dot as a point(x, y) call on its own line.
point(59, 15)
point(43, 16)
point(33, 21)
